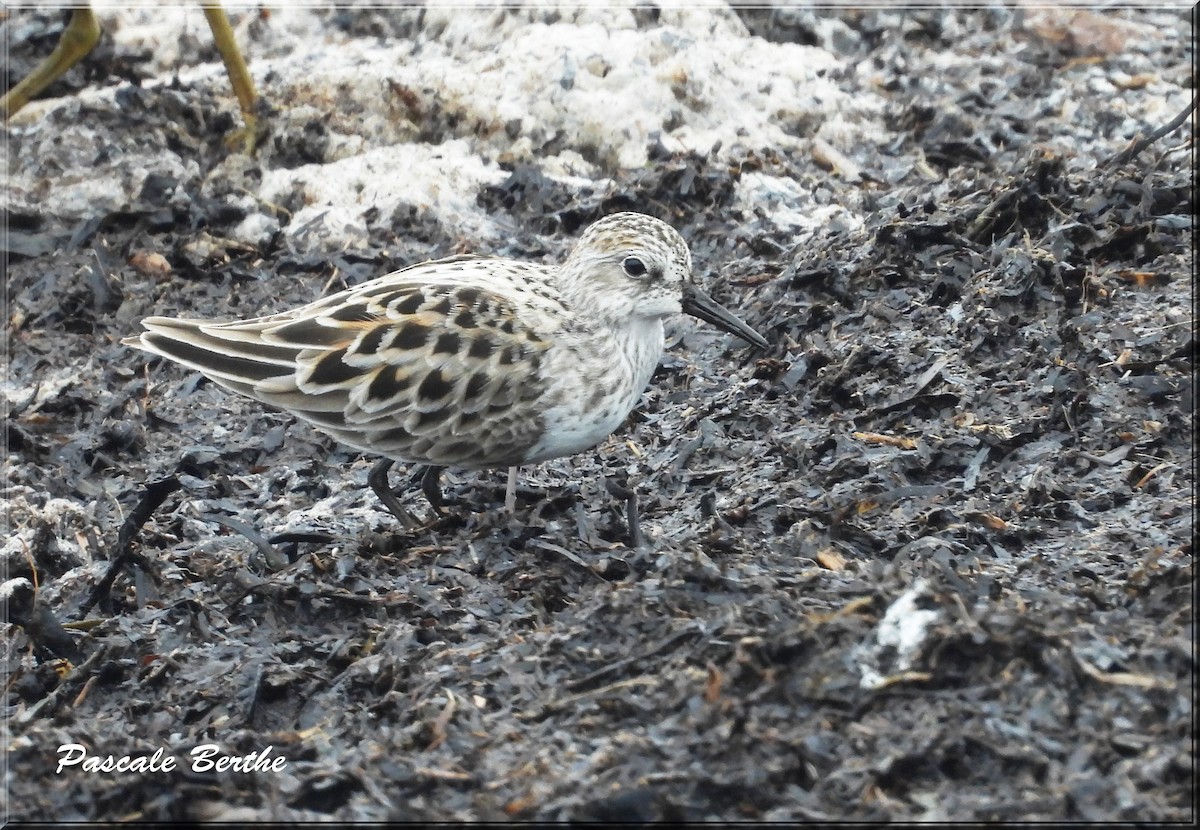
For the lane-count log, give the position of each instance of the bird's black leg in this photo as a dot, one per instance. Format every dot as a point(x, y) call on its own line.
point(432, 488)
point(378, 479)
point(636, 539)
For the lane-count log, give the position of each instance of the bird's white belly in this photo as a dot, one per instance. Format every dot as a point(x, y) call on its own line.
point(569, 431)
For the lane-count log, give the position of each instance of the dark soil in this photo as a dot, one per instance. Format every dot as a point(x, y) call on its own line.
point(983, 402)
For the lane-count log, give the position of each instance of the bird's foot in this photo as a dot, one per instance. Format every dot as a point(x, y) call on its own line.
point(378, 479)
point(621, 490)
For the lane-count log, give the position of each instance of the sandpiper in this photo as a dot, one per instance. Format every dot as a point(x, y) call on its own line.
point(475, 362)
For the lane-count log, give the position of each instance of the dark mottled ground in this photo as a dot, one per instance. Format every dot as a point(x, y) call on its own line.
point(977, 412)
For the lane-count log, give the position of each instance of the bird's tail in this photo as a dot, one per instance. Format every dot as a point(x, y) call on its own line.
point(236, 357)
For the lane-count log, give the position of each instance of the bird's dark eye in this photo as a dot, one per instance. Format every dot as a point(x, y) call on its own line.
point(634, 266)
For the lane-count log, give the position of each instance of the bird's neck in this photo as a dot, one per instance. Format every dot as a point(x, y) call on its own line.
point(639, 343)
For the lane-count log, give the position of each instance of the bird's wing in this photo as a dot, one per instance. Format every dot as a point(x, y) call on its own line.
point(445, 372)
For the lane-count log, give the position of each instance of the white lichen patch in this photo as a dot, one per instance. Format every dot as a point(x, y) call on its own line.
point(425, 119)
point(898, 639)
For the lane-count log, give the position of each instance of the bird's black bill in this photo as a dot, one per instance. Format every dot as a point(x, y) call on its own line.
point(699, 304)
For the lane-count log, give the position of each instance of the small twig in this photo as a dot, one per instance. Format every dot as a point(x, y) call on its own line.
point(984, 220)
point(275, 560)
point(156, 493)
point(442, 774)
point(1133, 150)
point(55, 697)
point(620, 665)
point(88, 685)
point(558, 704)
point(542, 544)
point(438, 727)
